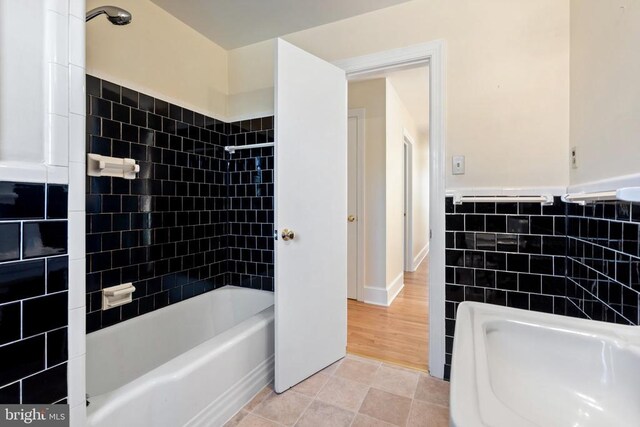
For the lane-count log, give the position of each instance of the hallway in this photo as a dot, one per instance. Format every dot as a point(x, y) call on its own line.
point(396, 334)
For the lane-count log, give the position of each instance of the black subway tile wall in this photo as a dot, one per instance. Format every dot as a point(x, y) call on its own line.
point(603, 274)
point(250, 208)
point(195, 218)
point(33, 293)
point(581, 261)
point(511, 254)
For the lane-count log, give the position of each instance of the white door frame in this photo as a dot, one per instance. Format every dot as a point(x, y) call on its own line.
point(360, 114)
point(432, 53)
point(407, 189)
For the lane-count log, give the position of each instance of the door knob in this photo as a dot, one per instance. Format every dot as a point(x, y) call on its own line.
point(287, 235)
point(351, 218)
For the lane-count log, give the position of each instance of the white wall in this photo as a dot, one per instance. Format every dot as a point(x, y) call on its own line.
point(605, 88)
point(22, 90)
point(161, 56)
point(370, 95)
point(400, 121)
point(507, 79)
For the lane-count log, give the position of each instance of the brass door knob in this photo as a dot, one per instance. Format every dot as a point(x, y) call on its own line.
point(351, 218)
point(287, 235)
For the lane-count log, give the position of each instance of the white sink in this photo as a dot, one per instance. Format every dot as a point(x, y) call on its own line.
point(514, 367)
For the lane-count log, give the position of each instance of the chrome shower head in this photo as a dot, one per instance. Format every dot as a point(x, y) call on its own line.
point(116, 15)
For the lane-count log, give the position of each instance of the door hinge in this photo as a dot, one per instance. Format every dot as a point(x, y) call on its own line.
point(275, 234)
point(430, 234)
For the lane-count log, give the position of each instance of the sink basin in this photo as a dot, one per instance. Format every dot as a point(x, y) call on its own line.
point(514, 367)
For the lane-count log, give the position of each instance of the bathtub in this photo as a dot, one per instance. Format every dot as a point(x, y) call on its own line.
point(194, 363)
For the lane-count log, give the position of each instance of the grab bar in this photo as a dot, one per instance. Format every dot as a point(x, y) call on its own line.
point(545, 199)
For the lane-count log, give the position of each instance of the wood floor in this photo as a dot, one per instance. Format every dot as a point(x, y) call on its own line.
point(396, 334)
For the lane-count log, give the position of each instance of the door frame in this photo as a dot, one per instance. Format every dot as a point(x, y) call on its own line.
point(407, 189)
point(434, 54)
point(360, 114)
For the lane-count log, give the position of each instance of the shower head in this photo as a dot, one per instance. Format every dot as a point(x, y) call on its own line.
point(116, 15)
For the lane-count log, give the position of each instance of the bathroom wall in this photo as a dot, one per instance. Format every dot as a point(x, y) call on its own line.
point(161, 56)
point(507, 71)
point(511, 254)
point(42, 251)
point(605, 92)
point(250, 206)
point(34, 283)
point(193, 220)
point(603, 270)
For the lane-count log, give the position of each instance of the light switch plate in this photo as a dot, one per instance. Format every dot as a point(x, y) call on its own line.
point(458, 165)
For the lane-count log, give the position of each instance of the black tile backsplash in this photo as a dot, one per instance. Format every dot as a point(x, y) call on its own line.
point(581, 261)
point(33, 293)
point(603, 261)
point(196, 218)
point(508, 254)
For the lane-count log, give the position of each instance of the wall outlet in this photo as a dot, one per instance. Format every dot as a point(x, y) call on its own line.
point(574, 157)
point(458, 165)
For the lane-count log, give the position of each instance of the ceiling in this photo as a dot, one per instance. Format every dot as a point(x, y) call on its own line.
point(236, 23)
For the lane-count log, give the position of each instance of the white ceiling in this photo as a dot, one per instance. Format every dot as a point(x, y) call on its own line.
point(412, 86)
point(236, 23)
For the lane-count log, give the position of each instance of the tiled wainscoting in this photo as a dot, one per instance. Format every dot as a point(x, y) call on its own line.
point(603, 271)
point(33, 293)
point(196, 218)
point(564, 259)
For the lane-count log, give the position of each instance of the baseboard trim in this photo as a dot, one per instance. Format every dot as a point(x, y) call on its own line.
point(420, 257)
point(384, 296)
point(227, 405)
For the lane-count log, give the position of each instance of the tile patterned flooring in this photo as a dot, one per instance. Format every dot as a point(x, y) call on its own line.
point(356, 392)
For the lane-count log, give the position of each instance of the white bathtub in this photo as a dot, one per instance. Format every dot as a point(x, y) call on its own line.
point(193, 363)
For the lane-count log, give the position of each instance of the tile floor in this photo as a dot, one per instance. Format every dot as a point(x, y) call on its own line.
point(355, 392)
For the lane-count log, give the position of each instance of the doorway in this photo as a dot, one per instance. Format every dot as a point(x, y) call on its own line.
point(388, 169)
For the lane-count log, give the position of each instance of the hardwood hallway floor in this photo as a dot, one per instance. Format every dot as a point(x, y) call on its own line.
point(396, 334)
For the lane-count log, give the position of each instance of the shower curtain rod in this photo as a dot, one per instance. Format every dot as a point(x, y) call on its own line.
point(232, 149)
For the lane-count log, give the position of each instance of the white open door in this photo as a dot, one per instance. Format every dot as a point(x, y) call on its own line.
point(311, 202)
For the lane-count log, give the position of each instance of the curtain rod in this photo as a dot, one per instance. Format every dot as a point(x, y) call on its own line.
point(233, 148)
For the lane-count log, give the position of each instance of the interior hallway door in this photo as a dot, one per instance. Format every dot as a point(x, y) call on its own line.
point(311, 215)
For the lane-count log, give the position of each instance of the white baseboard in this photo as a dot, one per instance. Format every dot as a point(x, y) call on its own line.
point(384, 296)
point(227, 405)
point(417, 260)
point(394, 288)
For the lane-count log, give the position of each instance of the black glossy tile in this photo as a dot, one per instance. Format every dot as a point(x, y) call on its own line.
point(110, 91)
point(518, 224)
point(10, 395)
point(10, 242)
point(22, 358)
point(57, 274)
point(57, 199)
point(46, 387)
point(44, 238)
point(57, 347)
point(20, 280)
point(9, 322)
point(44, 313)
point(21, 200)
